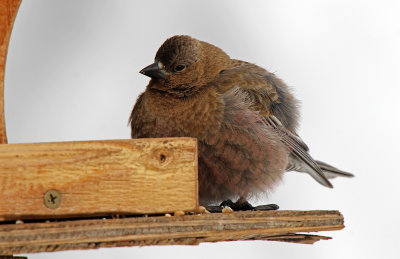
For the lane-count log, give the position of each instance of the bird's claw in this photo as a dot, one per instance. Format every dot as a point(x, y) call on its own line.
point(214, 209)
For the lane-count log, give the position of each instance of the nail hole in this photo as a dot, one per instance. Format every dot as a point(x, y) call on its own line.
point(162, 157)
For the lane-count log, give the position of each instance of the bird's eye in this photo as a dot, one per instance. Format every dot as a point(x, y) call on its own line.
point(179, 68)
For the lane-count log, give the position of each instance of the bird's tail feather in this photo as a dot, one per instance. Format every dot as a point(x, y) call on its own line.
point(298, 165)
point(332, 172)
point(328, 171)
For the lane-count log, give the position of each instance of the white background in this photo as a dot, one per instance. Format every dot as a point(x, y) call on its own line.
point(72, 74)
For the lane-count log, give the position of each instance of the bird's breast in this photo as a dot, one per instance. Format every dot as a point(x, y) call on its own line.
point(197, 116)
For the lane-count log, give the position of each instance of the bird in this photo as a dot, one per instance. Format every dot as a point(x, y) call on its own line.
point(244, 117)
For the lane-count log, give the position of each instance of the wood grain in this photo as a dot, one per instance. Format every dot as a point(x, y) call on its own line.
point(99, 177)
point(8, 11)
point(161, 230)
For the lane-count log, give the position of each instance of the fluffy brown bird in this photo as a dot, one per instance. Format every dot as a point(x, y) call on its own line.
point(244, 117)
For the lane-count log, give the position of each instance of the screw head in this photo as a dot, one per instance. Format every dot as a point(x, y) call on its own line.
point(52, 199)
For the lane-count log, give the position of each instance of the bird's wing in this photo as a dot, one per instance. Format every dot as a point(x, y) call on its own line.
point(271, 98)
point(303, 160)
point(251, 78)
point(267, 94)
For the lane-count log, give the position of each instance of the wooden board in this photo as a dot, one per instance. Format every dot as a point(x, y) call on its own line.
point(98, 177)
point(162, 230)
point(8, 11)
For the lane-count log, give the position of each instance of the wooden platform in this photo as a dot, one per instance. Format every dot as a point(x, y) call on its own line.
point(167, 230)
point(92, 178)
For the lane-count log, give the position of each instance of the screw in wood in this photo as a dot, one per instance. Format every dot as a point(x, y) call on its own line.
point(52, 199)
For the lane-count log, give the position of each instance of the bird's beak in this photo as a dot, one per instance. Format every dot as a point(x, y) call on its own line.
point(153, 71)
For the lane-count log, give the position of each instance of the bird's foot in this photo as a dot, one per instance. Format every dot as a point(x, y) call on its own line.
point(237, 206)
point(241, 205)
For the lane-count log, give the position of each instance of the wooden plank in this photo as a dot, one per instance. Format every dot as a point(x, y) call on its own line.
point(98, 177)
point(8, 11)
point(162, 230)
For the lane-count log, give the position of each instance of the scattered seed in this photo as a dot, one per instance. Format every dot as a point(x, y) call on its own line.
point(201, 210)
point(227, 210)
point(179, 213)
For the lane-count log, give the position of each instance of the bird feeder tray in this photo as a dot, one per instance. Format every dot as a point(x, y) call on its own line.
point(92, 194)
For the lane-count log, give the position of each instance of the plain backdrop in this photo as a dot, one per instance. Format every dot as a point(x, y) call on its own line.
point(72, 74)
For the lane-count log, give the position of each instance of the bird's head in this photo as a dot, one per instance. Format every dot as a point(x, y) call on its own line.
point(183, 63)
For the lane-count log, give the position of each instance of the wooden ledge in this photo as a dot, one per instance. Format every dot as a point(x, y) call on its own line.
point(97, 178)
point(167, 230)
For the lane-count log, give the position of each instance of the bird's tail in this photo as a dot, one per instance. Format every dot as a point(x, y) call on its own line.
point(332, 172)
point(328, 171)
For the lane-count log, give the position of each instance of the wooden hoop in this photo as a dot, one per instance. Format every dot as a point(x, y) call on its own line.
point(8, 12)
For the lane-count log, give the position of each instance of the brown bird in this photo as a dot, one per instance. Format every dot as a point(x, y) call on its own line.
point(244, 117)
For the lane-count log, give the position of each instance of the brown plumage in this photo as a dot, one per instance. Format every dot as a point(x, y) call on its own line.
point(244, 117)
